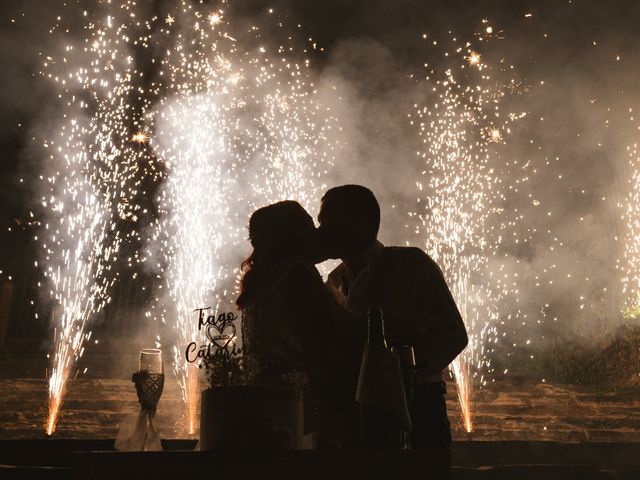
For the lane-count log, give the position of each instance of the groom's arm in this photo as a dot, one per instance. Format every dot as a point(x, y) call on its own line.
point(327, 350)
point(346, 323)
point(443, 333)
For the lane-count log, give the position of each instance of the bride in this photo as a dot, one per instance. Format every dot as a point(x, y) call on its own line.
point(291, 323)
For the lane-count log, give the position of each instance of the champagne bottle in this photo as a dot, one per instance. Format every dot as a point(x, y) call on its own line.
point(380, 429)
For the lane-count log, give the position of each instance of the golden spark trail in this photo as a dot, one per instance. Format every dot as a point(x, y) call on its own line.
point(630, 264)
point(90, 183)
point(235, 130)
point(458, 197)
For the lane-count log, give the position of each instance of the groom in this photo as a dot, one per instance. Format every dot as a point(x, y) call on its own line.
point(409, 287)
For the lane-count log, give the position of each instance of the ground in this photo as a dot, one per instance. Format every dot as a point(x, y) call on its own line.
point(505, 409)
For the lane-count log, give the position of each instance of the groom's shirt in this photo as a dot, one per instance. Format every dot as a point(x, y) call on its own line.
point(416, 303)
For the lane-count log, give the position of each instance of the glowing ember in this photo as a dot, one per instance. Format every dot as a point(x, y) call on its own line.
point(140, 138)
point(215, 19)
point(473, 58)
point(495, 135)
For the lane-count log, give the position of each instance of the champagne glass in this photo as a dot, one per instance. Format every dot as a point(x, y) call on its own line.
point(151, 361)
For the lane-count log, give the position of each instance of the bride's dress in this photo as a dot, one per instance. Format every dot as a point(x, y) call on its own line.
point(294, 324)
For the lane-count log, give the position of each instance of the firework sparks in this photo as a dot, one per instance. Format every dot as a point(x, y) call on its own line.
point(232, 129)
point(460, 197)
point(218, 122)
point(91, 187)
point(631, 216)
point(140, 137)
point(225, 121)
point(215, 19)
point(495, 135)
point(474, 58)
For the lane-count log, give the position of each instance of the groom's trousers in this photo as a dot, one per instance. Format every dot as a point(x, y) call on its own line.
point(428, 409)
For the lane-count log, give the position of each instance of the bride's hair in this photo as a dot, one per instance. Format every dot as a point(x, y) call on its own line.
point(275, 231)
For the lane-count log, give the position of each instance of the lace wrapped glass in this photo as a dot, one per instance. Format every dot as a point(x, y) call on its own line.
point(138, 431)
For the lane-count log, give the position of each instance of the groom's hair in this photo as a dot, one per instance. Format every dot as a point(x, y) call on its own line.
point(354, 201)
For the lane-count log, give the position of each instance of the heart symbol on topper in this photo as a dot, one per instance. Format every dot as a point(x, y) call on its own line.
point(221, 334)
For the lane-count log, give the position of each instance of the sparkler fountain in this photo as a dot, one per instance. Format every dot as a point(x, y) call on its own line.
point(90, 187)
point(197, 202)
point(237, 129)
point(631, 217)
point(459, 196)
